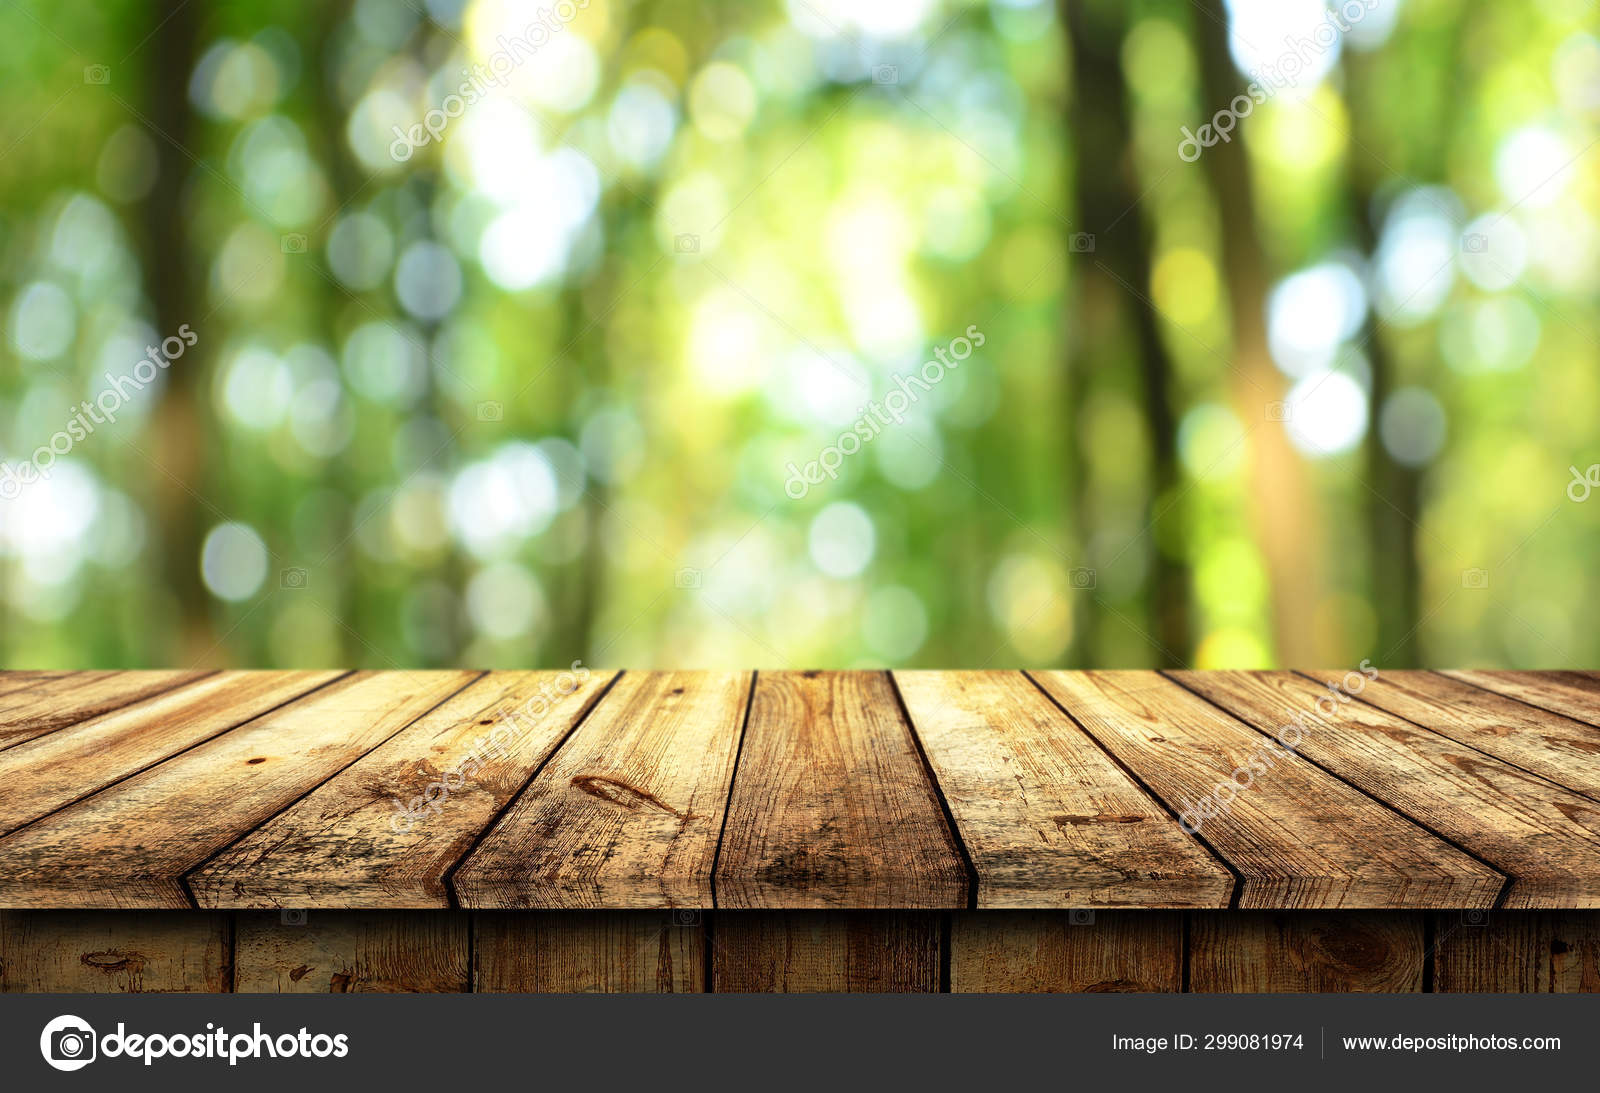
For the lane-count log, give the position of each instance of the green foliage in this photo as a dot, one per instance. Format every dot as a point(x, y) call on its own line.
point(531, 393)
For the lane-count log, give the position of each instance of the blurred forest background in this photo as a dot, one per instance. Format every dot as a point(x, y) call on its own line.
point(529, 392)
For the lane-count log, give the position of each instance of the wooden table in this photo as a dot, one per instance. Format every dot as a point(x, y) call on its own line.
point(454, 830)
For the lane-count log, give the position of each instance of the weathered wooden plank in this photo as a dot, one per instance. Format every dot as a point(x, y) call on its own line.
point(1066, 952)
point(14, 680)
point(590, 952)
point(129, 845)
point(113, 952)
point(1518, 952)
point(52, 771)
point(1234, 952)
point(50, 704)
point(351, 952)
point(626, 815)
point(1558, 748)
point(790, 952)
point(1299, 837)
point(832, 806)
point(1547, 839)
point(13, 683)
point(384, 832)
point(1572, 694)
point(1047, 817)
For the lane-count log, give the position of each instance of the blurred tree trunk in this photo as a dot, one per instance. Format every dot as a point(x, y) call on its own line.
point(451, 569)
point(1285, 515)
point(178, 426)
point(1394, 511)
point(1116, 321)
point(587, 308)
point(585, 348)
point(334, 585)
point(1394, 499)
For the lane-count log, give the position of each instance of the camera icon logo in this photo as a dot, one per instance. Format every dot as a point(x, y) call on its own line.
point(491, 411)
point(686, 243)
point(1278, 411)
point(684, 916)
point(294, 577)
point(289, 917)
point(1081, 916)
point(885, 73)
point(68, 1043)
point(100, 74)
point(1474, 578)
point(294, 243)
point(1084, 578)
point(687, 577)
point(1081, 243)
point(1475, 243)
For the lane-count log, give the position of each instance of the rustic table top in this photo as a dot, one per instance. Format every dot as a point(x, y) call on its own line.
point(605, 790)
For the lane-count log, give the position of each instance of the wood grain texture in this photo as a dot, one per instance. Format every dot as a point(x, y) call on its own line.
point(665, 951)
point(1235, 952)
point(1526, 952)
point(130, 845)
point(255, 790)
point(832, 805)
point(13, 684)
point(1031, 952)
point(1555, 747)
point(1547, 839)
point(51, 703)
point(627, 813)
point(590, 952)
point(351, 952)
point(68, 765)
point(1047, 817)
point(1572, 694)
point(113, 952)
point(384, 832)
point(12, 681)
point(1299, 837)
point(788, 952)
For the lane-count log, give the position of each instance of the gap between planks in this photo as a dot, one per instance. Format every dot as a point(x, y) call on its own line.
point(1506, 878)
point(950, 821)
